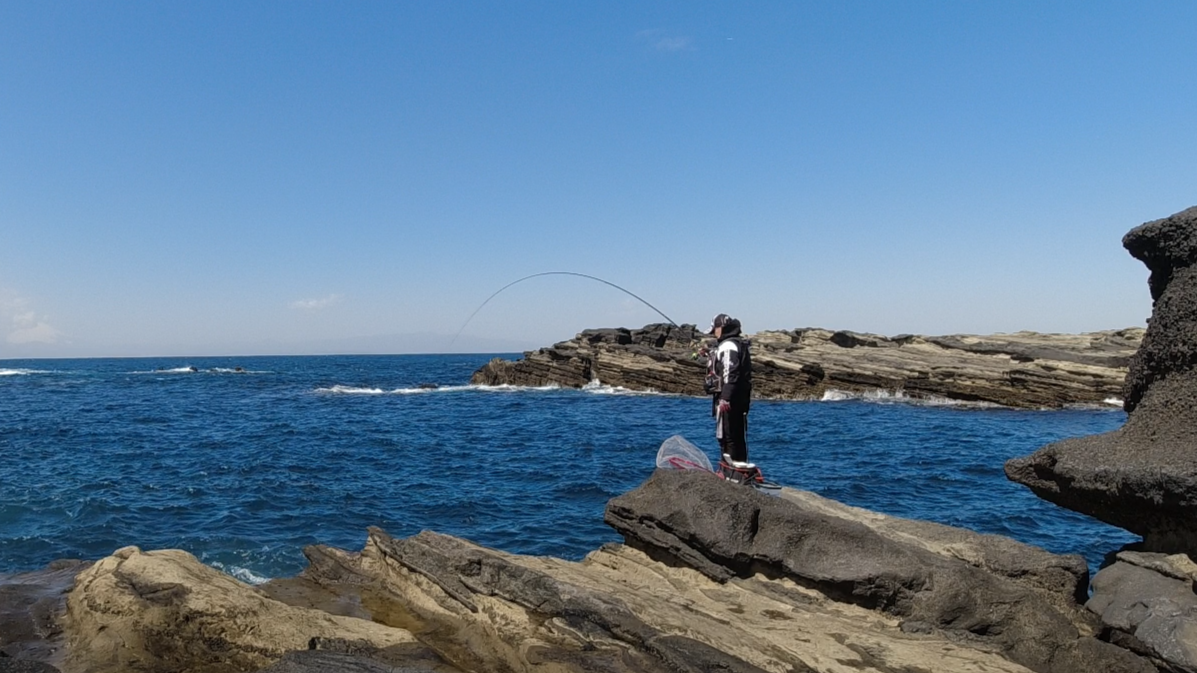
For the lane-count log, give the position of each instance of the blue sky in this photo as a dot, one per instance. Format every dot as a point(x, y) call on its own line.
point(240, 178)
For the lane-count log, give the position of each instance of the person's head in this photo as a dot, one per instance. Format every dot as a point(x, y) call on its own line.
point(720, 321)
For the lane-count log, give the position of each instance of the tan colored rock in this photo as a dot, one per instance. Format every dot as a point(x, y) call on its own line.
point(619, 610)
point(1022, 369)
point(166, 611)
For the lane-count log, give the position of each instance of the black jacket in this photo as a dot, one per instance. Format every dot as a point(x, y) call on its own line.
point(733, 365)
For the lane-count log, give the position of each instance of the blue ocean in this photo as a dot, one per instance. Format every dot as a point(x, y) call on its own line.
point(244, 461)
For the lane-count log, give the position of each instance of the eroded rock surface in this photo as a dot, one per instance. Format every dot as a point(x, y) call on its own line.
point(166, 611)
point(1024, 369)
point(1032, 618)
point(1143, 476)
point(619, 610)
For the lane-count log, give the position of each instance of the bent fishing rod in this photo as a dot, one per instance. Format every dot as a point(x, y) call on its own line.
point(558, 273)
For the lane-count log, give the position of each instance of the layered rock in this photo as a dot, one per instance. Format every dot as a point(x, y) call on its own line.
point(1024, 369)
point(1143, 476)
point(713, 576)
point(1009, 597)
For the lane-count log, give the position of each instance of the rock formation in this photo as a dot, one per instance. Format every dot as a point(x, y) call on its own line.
point(1143, 476)
point(712, 577)
point(1025, 369)
point(166, 611)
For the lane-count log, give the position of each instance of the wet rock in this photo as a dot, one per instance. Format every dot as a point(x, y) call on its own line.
point(1143, 476)
point(727, 532)
point(166, 611)
point(1024, 369)
point(31, 606)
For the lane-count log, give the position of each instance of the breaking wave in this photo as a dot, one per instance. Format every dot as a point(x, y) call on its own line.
point(22, 372)
point(899, 397)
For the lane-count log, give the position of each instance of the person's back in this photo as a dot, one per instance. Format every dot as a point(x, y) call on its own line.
point(733, 364)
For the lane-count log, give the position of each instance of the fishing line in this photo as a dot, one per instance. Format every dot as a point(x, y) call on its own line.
point(558, 273)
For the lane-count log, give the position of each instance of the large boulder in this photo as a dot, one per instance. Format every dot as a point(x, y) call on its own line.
point(973, 590)
point(1147, 605)
point(165, 611)
point(1143, 476)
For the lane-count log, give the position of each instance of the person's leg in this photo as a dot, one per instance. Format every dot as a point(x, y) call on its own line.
point(737, 426)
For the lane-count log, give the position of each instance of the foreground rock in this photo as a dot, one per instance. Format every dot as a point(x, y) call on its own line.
point(30, 606)
point(1143, 476)
point(1025, 369)
point(966, 587)
point(1147, 603)
point(166, 611)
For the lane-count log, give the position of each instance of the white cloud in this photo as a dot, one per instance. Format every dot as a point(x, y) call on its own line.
point(316, 304)
point(659, 40)
point(25, 324)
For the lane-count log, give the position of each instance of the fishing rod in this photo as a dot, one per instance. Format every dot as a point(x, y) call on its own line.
point(558, 273)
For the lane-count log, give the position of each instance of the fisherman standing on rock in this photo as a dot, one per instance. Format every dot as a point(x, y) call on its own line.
point(731, 388)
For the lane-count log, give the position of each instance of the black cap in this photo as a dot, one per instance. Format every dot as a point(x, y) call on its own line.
point(720, 320)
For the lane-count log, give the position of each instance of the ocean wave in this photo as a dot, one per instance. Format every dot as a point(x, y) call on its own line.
point(244, 574)
point(423, 390)
point(22, 372)
point(900, 397)
point(197, 370)
point(597, 387)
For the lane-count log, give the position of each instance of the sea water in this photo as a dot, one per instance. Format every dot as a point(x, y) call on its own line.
point(244, 461)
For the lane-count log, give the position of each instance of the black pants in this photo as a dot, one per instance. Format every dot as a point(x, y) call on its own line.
point(731, 435)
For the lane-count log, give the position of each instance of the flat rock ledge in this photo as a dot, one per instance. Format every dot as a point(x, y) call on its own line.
point(712, 577)
point(1024, 369)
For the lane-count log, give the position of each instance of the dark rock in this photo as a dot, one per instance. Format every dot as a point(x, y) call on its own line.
point(319, 661)
point(31, 607)
point(1151, 612)
point(9, 665)
point(724, 531)
point(1143, 476)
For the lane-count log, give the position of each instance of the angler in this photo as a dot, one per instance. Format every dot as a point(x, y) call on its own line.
point(731, 389)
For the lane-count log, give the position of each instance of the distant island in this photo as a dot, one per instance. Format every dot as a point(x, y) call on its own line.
point(1022, 369)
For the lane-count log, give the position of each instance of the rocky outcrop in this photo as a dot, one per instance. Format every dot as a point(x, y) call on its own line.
point(944, 584)
point(620, 610)
point(166, 611)
point(1024, 369)
point(712, 577)
point(1143, 476)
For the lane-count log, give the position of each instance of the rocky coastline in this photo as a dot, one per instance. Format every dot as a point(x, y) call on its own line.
point(711, 576)
point(1024, 369)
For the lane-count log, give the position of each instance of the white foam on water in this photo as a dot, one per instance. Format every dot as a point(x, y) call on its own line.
point(350, 390)
point(899, 397)
point(174, 370)
point(1113, 401)
point(21, 372)
point(596, 387)
point(244, 574)
point(418, 390)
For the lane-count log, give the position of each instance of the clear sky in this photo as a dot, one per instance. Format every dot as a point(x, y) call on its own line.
point(284, 177)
